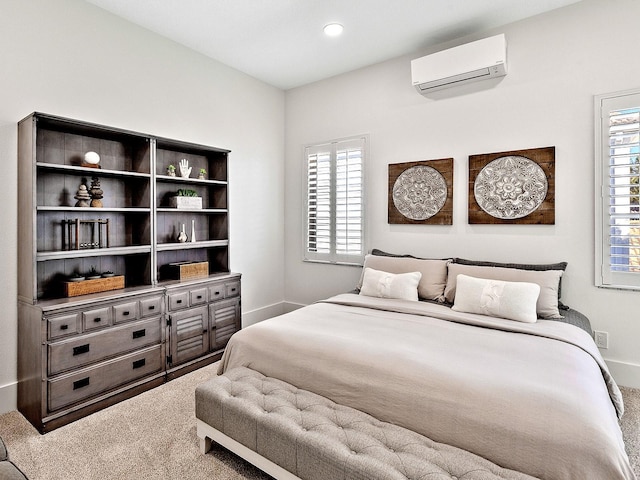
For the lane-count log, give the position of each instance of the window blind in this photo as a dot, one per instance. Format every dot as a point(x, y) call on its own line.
point(334, 202)
point(620, 199)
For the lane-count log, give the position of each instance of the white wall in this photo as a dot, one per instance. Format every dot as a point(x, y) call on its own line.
point(70, 58)
point(557, 63)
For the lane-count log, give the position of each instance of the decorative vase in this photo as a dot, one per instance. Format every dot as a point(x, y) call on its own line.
point(193, 230)
point(182, 236)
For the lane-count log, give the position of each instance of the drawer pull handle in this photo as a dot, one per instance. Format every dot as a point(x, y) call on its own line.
point(139, 333)
point(97, 319)
point(125, 314)
point(178, 301)
point(139, 363)
point(84, 382)
point(233, 289)
point(213, 328)
point(64, 327)
point(152, 307)
point(199, 297)
point(81, 349)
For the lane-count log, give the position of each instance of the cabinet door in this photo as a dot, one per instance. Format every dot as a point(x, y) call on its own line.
point(225, 321)
point(189, 337)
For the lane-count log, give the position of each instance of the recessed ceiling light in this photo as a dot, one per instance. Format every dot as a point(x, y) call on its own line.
point(333, 29)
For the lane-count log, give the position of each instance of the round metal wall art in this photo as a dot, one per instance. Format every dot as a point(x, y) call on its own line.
point(419, 192)
point(510, 187)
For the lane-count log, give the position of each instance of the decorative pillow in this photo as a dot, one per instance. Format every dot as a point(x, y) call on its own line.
point(434, 273)
point(511, 300)
point(539, 267)
point(548, 280)
point(376, 283)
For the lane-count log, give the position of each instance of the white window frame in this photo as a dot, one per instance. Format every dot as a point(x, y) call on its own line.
point(331, 148)
point(605, 276)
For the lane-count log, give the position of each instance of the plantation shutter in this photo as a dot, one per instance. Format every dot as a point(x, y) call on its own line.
point(334, 202)
point(620, 206)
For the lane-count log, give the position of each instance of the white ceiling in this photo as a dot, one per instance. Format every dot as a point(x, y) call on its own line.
point(281, 41)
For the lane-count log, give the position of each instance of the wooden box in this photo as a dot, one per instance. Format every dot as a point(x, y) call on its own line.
point(187, 270)
point(73, 289)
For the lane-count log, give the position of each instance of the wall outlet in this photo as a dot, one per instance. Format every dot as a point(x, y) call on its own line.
point(601, 338)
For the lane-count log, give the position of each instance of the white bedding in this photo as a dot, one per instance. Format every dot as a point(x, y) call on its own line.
point(536, 398)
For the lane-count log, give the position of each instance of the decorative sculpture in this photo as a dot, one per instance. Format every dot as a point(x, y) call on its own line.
point(185, 169)
point(82, 195)
point(96, 193)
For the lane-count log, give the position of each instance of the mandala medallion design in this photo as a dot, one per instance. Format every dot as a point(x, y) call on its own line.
point(419, 192)
point(510, 187)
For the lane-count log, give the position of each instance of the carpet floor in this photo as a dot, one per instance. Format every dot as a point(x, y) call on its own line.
point(153, 436)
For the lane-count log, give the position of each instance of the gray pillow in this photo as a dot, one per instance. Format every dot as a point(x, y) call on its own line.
point(434, 272)
point(521, 266)
point(549, 281)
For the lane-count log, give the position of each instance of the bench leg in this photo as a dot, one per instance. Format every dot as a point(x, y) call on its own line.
point(205, 445)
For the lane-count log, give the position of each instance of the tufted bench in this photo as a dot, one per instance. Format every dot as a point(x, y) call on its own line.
point(292, 433)
point(8, 471)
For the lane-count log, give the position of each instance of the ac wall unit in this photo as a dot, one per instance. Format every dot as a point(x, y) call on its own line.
point(479, 60)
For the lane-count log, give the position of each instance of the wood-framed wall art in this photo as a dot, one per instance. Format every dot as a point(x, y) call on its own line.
point(516, 187)
point(421, 192)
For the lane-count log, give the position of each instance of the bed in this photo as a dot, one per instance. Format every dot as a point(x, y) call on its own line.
point(477, 373)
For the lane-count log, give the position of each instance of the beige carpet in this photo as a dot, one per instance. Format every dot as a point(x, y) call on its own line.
point(153, 436)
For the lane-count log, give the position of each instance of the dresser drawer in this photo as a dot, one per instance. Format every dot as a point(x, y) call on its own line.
point(97, 318)
point(62, 325)
point(150, 306)
point(103, 377)
point(79, 351)
point(198, 296)
point(232, 289)
point(178, 300)
point(123, 312)
point(216, 292)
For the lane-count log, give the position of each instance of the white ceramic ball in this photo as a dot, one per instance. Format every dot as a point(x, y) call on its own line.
point(91, 157)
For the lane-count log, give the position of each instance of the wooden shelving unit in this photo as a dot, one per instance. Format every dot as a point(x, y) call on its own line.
point(61, 377)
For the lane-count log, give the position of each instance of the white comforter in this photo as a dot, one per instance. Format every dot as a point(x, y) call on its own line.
point(536, 398)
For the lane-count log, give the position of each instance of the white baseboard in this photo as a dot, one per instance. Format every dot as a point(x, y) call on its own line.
point(8, 397)
point(291, 306)
point(625, 374)
point(262, 313)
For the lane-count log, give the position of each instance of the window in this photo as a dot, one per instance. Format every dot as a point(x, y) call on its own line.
point(617, 181)
point(334, 201)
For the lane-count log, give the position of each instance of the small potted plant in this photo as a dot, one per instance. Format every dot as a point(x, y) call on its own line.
point(107, 274)
point(171, 170)
point(186, 199)
point(93, 273)
point(203, 174)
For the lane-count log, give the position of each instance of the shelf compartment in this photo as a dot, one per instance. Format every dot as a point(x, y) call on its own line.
point(213, 160)
point(54, 269)
point(56, 188)
point(216, 254)
point(208, 225)
point(65, 142)
point(214, 196)
point(128, 228)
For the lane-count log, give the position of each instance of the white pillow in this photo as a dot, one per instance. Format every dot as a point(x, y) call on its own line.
point(376, 283)
point(511, 300)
